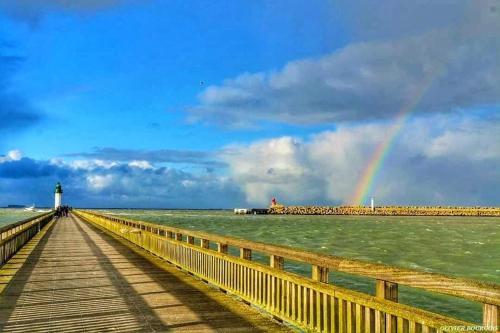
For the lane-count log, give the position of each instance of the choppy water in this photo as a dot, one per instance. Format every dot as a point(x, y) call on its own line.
point(460, 246)
point(8, 215)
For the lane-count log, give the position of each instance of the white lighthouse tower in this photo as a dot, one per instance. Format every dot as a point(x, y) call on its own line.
point(58, 196)
point(372, 204)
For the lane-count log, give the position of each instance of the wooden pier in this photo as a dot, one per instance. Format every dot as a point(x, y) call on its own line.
point(73, 277)
point(91, 272)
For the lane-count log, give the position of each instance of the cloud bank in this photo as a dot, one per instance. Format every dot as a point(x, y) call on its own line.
point(97, 183)
point(433, 163)
point(442, 70)
point(203, 158)
point(438, 160)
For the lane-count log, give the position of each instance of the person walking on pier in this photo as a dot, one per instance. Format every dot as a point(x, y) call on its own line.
point(62, 211)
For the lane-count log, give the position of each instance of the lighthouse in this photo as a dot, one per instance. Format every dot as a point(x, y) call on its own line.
point(372, 204)
point(58, 196)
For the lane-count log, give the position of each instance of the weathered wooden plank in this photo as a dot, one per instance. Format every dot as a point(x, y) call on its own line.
point(491, 315)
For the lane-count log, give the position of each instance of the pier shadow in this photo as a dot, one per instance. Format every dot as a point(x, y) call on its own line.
point(79, 278)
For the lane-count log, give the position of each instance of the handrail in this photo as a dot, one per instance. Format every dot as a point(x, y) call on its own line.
point(283, 293)
point(18, 223)
point(15, 235)
point(478, 291)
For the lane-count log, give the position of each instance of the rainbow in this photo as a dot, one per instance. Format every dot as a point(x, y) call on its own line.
point(366, 182)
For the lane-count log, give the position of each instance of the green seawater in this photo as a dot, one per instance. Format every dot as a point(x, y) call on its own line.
point(11, 215)
point(466, 247)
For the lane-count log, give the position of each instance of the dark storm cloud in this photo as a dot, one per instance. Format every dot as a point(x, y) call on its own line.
point(162, 156)
point(30, 168)
point(16, 112)
point(438, 67)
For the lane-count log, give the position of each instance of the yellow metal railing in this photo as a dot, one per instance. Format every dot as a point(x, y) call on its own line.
point(14, 236)
point(309, 303)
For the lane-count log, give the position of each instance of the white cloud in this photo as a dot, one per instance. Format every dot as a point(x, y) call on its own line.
point(188, 183)
point(12, 155)
point(433, 162)
point(15, 155)
point(141, 165)
point(267, 167)
point(99, 182)
point(92, 164)
point(469, 140)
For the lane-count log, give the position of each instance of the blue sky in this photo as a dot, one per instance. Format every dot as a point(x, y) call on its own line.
point(121, 100)
point(135, 68)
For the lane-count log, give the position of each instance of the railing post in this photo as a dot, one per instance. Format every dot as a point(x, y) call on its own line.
point(246, 254)
point(389, 291)
point(222, 248)
point(205, 243)
point(276, 262)
point(320, 273)
point(491, 316)
point(190, 239)
point(178, 236)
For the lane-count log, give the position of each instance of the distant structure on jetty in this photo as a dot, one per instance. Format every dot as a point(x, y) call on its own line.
point(386, 210)
point(280, 209)
point(16, 206)
point(257, 211)
point(253, 211)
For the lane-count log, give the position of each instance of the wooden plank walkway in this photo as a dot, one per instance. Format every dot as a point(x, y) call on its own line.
point(76, 278)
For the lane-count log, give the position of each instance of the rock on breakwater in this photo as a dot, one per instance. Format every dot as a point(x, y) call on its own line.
point(387, 210)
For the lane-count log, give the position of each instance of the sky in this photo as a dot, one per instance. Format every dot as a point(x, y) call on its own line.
point(221, 104)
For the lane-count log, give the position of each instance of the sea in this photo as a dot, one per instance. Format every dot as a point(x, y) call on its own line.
point(11, 215)
point(467, 247)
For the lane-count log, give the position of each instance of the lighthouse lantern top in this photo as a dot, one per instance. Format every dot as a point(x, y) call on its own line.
point(59, 188)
